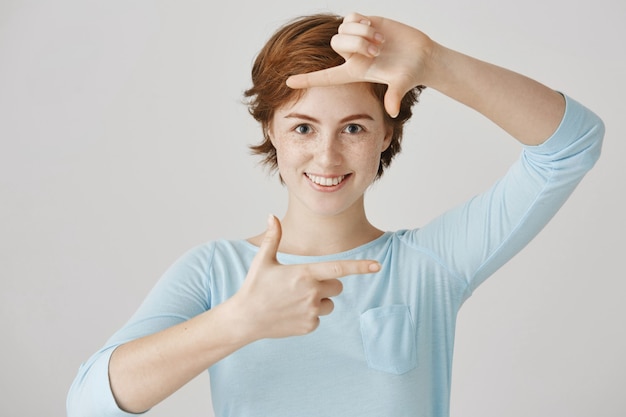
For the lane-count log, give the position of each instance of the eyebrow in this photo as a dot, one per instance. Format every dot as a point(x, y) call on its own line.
point(349, 118)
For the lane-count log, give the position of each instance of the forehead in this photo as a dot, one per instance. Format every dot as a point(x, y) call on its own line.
point(335, 101)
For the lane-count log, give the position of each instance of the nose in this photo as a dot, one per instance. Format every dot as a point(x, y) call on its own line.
point(329, 152)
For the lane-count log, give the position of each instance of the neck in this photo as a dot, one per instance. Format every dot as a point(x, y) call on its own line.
point(306, 233)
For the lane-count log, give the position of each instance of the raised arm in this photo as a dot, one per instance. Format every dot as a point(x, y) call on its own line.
point(388, 52)
point(562, 138)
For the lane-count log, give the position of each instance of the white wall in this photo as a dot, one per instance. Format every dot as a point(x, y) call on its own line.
point(123, 143)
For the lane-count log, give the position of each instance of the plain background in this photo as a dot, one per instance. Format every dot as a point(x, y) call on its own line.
point(124, 143)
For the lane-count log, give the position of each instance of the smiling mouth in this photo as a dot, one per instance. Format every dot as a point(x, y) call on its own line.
point(326, 181)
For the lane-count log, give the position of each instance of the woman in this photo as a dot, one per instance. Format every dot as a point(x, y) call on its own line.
point(282, 328)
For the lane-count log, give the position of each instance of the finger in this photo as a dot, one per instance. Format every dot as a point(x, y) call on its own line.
point(322, 78)
point(330, 288)
point(356, 17)
point(326, 307)
point(271, 239)
point(347, 45)
point(392, 101)
point(337, 269)
point(361, 30)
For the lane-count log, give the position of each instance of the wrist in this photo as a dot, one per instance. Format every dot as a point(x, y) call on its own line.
point(236, 324)
point(436, 65)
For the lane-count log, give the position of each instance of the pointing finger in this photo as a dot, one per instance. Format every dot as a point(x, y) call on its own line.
point(332, 270)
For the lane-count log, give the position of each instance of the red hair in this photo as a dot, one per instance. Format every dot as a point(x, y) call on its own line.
point(301, 46)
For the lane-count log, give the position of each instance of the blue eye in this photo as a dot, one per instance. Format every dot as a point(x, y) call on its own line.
point(353, 129)
point(303, 129)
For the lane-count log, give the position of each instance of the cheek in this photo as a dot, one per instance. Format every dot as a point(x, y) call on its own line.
point(286, 157)
point(279, 149)
point(373, 157)
point(370, 159)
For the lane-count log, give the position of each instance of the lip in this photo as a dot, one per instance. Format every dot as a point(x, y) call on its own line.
point(326, 188)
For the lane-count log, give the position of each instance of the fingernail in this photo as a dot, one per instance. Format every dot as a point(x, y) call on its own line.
point(270, 220)
point(379, 37)
point(373, 50)
point(365, 22)
point(374, 267)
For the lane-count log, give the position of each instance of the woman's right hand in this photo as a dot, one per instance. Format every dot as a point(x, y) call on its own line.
point(279, 300)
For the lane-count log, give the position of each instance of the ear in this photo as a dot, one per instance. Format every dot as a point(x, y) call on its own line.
point(269, 134)
point(387, 139)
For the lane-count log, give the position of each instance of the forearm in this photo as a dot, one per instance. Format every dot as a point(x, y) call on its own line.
point(526, 109)
point(145, 371)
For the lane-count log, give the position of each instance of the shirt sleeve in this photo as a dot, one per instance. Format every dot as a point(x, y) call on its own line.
point(182, 292)
point(476, 238)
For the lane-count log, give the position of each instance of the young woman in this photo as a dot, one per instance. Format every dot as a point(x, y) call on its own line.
point(325, 314)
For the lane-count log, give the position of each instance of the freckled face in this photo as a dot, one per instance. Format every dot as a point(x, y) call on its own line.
point(328, 146)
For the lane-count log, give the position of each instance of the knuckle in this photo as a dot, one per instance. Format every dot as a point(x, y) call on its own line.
point(310, 325)
point(337, 269)
point(365, 46)
point(312, 296)
point(353, 17)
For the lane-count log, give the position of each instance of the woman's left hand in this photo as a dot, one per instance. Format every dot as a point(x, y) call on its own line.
point(376, 50)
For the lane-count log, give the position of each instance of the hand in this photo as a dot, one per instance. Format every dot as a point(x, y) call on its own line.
point(376, 50)
point(279, 300)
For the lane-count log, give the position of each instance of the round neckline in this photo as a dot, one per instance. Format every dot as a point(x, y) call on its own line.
point(338, 255)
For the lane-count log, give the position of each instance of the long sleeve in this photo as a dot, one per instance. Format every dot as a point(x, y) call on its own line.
point(476, 238)
point(451, 255)
point(182, 293)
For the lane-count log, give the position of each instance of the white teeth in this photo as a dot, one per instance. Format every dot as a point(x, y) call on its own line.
point(325, 181)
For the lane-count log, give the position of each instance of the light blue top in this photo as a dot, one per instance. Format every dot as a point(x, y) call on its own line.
point(386, 350)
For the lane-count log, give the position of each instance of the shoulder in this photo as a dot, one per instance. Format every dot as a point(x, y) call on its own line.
point(208, 253)
point(209, 265)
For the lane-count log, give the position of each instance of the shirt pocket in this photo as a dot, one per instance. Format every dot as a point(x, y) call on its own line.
point(389, 339)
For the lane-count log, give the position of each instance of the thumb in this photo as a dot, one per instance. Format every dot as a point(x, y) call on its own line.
point(271, 239)
point(330, 76)
point(393, 99)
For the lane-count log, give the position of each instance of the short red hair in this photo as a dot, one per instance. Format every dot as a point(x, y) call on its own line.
point(301, 46)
